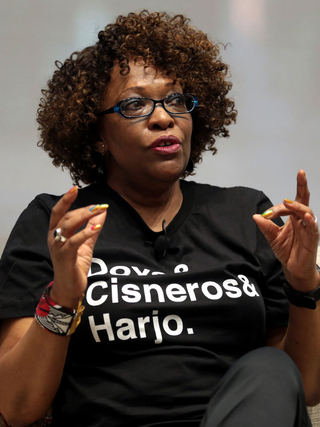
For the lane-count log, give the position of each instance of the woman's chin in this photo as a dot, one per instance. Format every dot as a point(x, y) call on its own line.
point(168, 174)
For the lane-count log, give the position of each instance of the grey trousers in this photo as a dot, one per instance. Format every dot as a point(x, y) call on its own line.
point(262, 389)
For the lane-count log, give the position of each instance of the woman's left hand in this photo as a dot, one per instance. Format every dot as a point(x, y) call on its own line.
point(295, 244)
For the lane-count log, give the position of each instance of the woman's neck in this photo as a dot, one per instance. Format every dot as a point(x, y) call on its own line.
point(153, 205)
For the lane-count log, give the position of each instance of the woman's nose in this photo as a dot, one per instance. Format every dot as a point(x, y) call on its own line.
point(160, 118)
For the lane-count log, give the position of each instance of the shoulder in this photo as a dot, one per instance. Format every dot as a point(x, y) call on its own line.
point(199, 188)
point(47, 201)
point(206, 193)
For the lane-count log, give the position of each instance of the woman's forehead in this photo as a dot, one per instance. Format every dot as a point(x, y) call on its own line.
point(141, 75)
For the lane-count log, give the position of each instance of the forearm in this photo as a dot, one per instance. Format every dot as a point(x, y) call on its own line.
point(30, 374)
point(302, 343)
point(31, 358)
point(295, 245)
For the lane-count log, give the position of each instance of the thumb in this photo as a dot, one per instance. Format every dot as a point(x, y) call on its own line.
point(268, 228)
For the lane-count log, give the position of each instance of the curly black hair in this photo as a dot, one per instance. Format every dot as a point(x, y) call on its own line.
point(67, 111)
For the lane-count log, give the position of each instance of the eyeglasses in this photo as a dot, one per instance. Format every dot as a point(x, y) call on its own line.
point(174, 104)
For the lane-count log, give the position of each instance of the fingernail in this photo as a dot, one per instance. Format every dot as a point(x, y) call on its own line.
point(289, 201)
point(104, 207)
point(96, 227)
point(73, 189)
point(99, 207)
point(267, 213)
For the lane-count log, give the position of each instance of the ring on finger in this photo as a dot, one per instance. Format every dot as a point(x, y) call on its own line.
point(58, 237)
point(315, 220)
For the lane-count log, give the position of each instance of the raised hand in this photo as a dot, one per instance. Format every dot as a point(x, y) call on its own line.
point(295, 243)
point(71, 258)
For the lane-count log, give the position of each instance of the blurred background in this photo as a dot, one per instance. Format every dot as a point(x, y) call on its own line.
point(273, 53)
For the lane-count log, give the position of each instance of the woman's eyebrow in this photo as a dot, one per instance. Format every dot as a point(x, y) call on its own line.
point(133, 88)
point(143, 88)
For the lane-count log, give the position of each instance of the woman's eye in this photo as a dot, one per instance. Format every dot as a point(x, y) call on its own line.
point(176, 99)
point(133, 104)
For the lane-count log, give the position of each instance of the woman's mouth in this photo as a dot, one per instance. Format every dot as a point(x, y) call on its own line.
point(166, 144)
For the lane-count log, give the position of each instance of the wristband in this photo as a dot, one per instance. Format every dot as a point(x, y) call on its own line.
point(302, 299)
point(55, 318)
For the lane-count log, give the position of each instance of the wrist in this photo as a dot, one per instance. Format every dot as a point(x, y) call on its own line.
point(302, 299)
point(304, 284)
point(63, 300)
point(56, 318)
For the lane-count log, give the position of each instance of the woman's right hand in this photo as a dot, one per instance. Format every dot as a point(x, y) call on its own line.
point(72, 259)
point(31, 358)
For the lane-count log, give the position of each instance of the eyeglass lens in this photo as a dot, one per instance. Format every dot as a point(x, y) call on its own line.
point(176, 103)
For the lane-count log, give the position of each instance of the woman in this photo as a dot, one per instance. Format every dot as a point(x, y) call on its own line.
point(182, 291)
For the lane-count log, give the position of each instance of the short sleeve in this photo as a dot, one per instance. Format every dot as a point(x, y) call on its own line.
point(25, 267)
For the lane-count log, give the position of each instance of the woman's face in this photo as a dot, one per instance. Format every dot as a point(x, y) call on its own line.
point(135, 156)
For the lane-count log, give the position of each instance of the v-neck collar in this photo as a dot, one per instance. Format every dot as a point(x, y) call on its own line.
point(129, 211)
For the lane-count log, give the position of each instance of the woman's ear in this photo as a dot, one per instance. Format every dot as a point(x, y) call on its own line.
point(100, 147)
point(98, 157)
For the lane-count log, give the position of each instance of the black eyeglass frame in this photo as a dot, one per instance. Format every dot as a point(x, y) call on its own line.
point(117, 108)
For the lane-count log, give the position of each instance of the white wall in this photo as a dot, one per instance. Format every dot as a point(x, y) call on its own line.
point(274, 57)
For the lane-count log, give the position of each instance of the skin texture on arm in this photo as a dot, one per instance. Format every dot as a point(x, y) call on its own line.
point(31, 358)
point(31, 365)
point(295, 245)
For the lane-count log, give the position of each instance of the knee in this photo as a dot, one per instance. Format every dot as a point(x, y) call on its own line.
point(262, 382)
point(271, 365)
point(269, 356)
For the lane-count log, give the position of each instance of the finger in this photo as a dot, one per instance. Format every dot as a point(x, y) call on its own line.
point(298, 209)
point(268, 228)
point(88, 235)
point(62, 207)
point(74, 220)
point(288, 207)
point(276, 211)
point(312, 228)
point(303, 194)
point(91, 233)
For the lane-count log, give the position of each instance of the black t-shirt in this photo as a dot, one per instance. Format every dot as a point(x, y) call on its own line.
point(156, 335)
